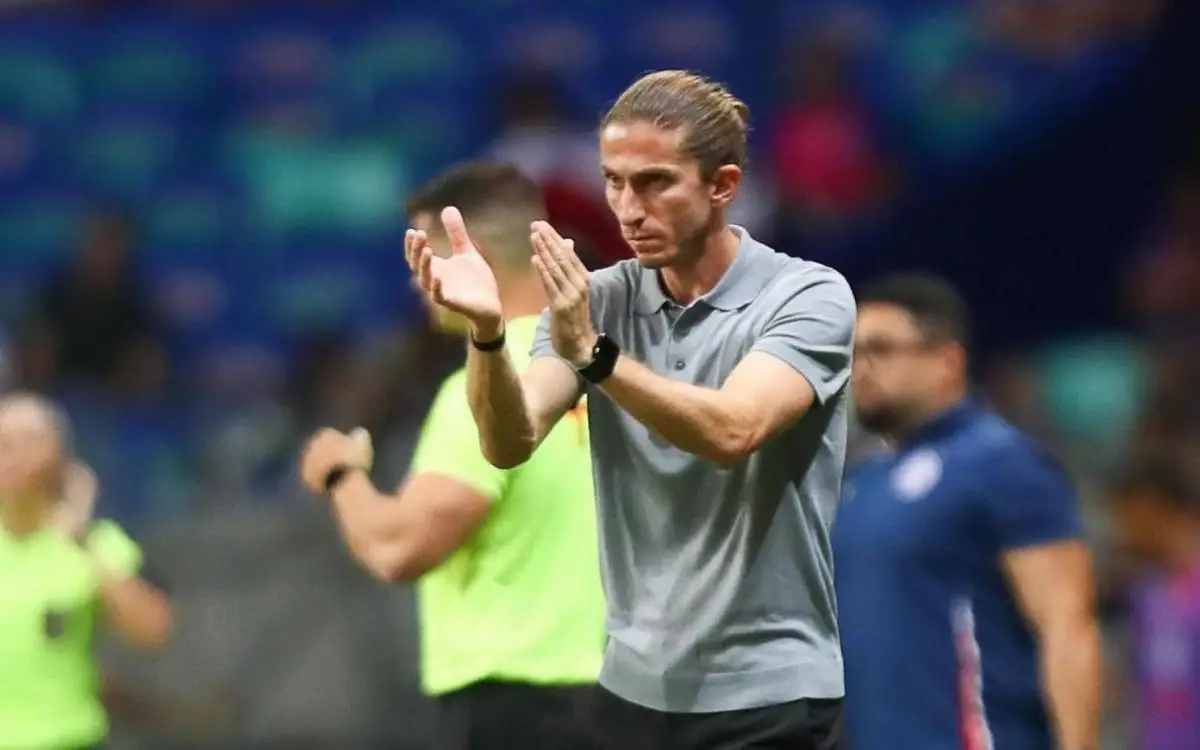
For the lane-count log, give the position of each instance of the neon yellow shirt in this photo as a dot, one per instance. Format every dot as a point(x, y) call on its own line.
point(48, 616)
point(521, 601)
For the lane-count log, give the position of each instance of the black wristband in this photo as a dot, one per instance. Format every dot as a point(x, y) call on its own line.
point(494, 345)
point(336, 476)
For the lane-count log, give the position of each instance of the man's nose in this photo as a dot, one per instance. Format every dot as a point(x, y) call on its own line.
point(629, 209)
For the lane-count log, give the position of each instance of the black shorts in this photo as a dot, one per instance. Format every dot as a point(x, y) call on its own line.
point(494, 715)
point(808, 724)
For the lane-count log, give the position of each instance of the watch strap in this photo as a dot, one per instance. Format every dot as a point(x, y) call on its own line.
point(604, 360)
point(494, 345)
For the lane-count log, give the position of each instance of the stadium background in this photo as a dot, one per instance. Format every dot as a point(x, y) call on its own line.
point(199, 252)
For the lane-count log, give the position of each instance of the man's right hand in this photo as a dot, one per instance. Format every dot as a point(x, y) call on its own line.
point(463, 282)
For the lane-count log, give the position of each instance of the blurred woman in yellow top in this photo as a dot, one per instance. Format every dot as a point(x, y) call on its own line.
point(63, 576)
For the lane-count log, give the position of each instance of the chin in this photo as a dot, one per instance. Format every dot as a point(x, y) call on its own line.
point(877, 420)
point(653, 256)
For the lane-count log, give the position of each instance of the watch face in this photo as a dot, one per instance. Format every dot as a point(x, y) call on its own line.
point(604, 359)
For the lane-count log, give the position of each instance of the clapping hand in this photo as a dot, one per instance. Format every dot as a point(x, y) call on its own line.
point(463, 282)
point(566, 282)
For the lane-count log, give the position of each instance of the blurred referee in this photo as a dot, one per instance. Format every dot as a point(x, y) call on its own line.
point(62, 577)
point(965, 594)
point(508, 576)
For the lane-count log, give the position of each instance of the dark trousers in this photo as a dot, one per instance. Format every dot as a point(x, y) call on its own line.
point(495, 715)
point(808, 724)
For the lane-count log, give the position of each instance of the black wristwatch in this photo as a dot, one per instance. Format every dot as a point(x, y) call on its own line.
point(603, 362)
point(492, 345)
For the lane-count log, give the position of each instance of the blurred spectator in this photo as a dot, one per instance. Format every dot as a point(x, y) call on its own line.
point(538, 132)
point(540, 137)
point(823, 146)
point(1011, 387)
point(1165, 282)
point(1063, 28)
point(1158, 523)
point(1164, 290)
point(323, 389)
point(94, 324)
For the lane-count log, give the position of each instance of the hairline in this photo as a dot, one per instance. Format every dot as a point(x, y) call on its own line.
point(57, 417)
point(930, 331)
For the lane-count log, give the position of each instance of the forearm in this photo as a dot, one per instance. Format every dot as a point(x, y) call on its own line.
point(376, 539)
point(507, 433)
point(134, 608)
point(692, 418)
point(1071, 678)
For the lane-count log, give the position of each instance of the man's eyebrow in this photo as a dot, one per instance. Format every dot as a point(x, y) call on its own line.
point(644, 172)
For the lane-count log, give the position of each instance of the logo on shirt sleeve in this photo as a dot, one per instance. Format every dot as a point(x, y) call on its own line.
point(916, 475)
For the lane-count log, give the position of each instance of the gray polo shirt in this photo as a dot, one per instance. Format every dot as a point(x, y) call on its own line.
point(720, 581)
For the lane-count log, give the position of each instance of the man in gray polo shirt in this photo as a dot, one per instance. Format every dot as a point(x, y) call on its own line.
point(716, 371)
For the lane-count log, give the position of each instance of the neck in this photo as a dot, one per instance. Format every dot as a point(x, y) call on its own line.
point(927, 412)
point(23, 515)
point(521, 295)
point(686, 281)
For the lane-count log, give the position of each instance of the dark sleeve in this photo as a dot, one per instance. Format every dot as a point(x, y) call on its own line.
point(1029, 499)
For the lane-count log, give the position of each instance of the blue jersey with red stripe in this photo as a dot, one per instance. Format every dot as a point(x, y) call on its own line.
point(937, 655)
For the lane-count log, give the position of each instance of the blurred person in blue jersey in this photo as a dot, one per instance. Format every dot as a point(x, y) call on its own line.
point(965, 591)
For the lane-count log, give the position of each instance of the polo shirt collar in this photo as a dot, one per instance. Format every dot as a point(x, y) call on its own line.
point(946, 422)
point(736, 289)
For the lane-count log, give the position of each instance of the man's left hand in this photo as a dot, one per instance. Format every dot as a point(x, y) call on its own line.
point(329, 449)
point(566, 282)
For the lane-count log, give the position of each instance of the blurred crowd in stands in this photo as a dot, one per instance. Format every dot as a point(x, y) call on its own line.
point(199, 245)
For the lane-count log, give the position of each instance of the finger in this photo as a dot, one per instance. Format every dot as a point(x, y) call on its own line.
point(547, 229)
point(564, 253)
point(554, 272)
point(425, 269)
point(362, 443)
point(456, 230)
point(414, 242)
point(561, 251)
point(548, 283)
point(577, 264)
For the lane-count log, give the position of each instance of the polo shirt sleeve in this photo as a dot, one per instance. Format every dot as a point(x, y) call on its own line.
point(449, 443)
point(114, 549)
point(1029, 499)
point(542, 346)
point(813, 331)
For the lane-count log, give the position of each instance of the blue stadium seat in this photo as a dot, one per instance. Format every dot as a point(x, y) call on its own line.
point(26, 153)
point(417, 56)
point(37, 229)
point(124, 154)
point(37, 85)
point(299, 186)
point(152, 71)
point(192, 216)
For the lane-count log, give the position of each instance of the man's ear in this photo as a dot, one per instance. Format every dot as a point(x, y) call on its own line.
point(724, 184)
